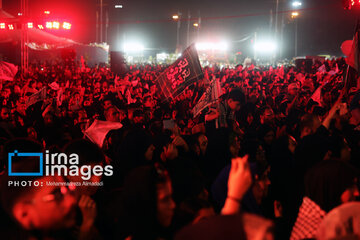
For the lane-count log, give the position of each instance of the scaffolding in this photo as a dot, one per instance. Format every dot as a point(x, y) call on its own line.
point(24, 38)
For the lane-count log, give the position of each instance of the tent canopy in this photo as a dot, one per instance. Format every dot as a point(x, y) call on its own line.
point(35, 35)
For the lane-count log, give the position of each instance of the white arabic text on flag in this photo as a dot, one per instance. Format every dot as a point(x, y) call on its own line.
point(181, 74)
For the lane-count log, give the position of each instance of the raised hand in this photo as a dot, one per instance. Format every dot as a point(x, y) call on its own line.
point(239, 177)
point(238, 183)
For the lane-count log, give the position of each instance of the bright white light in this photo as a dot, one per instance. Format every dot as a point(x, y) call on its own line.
point(223, 46)
point(118, 6)
point(49, 25)
point(56, 25)
point(265, 47)
point(296, 4)
point(294, 14)
point(162, 56)
point(201, 46)
point(216, 46)
point(130, 59)
point(133, 47)
point(66, 25)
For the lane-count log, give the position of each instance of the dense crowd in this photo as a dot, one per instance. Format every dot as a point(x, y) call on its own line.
point(277, 157)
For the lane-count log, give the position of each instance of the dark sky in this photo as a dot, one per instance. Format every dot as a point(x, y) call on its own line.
point(322, 27)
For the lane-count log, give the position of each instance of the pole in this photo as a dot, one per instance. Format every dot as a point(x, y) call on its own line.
point(178, 33)
point(97, 26)
point(276, 19)
point(106, 26)
point(282, 35)
point(24, 39)
point(118, 33)
point(276, 22)
point(276, 16)
point(271, 21)
point(188, 29)
point(345, 88)
point(198, 28)
point(296, 40)
point(101, 20)
point(255, 35)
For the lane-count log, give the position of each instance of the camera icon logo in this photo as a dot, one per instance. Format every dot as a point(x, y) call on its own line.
point(16, 154)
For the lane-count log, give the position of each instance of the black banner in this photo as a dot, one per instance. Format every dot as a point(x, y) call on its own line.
point(181, 74)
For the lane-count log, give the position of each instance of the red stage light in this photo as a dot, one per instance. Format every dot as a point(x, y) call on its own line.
point(349, 4)
point(56, 25)
point(47, 12)
point(66, 25)
point(11, 27)
point(2, 25)
point(49, 25)
point(40, 26)
point(30, 25)
point(63, 190)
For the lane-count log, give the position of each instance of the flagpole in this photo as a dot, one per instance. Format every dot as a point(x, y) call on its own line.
point(218, 102)
point(345, 92)
point(346, 81)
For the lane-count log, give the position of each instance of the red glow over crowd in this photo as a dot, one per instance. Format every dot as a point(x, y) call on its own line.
point(276, 157)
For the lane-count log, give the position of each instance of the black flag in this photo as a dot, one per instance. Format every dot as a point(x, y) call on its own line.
point(181, 74)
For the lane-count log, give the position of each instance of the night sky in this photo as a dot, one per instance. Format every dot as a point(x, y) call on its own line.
point(322, 26)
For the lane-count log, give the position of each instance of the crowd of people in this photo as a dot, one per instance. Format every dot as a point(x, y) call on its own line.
point(276, 157)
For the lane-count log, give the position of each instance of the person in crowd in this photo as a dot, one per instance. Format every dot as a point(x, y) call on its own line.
point(46, 212)
point(112, 114)
point(224, 116)
point(148, 207)
point(340, 223)
point(172, 168)
point(327, 185)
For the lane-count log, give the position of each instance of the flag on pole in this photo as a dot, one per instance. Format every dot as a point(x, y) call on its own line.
point(36, 97)
point(211, 96)
point(316, 97)
point(7, 71)
point(54, 86)
point(99, 129)
point(353, 62)
point(353, 59)
point(322, 69)
point(181, 74)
